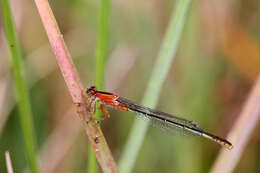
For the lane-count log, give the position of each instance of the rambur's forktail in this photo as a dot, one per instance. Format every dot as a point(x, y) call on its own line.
point(171, 121)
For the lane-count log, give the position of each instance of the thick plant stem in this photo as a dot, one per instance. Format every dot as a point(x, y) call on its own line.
point(69, 73)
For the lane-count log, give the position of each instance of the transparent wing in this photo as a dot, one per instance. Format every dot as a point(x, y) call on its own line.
point(162, 119)
point(170, 122)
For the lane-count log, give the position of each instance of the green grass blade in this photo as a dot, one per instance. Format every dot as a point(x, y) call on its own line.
point(159, 73)
point(101, 56)
point(20, 85)
point(102, 42)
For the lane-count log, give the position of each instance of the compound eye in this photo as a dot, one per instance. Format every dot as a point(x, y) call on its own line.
point(91, 90)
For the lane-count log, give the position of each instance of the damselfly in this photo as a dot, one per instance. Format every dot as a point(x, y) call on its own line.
point(165, 119)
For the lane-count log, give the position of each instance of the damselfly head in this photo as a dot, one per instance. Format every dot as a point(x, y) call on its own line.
point(91, 91)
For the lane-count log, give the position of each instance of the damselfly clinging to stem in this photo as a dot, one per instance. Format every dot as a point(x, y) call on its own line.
point(164, 119)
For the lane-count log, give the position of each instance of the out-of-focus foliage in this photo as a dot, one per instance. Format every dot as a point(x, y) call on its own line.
point(217, 60)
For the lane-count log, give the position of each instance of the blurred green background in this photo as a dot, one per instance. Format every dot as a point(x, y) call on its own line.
point(218, 59)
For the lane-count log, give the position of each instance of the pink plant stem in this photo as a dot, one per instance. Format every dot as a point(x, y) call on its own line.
point(241, 132)
point(69, 73)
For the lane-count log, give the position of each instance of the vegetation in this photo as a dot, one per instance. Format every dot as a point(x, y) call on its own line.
point(196, 60)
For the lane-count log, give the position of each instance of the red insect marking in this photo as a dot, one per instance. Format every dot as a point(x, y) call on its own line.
point(122, 107)
point(110, 100)
point(171, 121)
point(105, 98)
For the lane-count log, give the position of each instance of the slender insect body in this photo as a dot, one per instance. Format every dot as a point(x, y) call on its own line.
point(163, 119)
